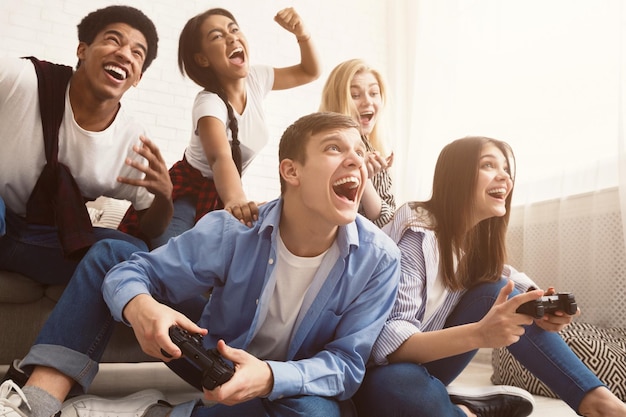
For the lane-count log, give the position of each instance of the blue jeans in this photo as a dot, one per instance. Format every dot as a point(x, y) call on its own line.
point(301, 406)
point(35, 250)
point(74, 337)
point(293, 406)
point(407, 389)
point(183, 219)
point(76, 333)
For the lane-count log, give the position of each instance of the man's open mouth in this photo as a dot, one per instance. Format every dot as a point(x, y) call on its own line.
point(116, 72)
point(347, 187)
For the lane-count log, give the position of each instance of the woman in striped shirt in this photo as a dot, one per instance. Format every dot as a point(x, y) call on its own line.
point(457, 295)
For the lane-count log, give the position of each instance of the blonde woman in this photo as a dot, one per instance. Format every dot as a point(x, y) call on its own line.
point(355, 89)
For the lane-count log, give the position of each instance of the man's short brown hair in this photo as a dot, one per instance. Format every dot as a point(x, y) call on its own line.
point(294, 141)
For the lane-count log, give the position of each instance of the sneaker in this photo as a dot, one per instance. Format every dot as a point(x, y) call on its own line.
point(15, 374)
point(133, 405)
point(494, 401)
point(11, 398)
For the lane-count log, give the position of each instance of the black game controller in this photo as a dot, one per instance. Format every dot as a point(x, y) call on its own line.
point(215, 371)
point(548, 304)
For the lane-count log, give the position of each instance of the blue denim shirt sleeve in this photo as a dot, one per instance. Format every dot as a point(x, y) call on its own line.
point(176, 271)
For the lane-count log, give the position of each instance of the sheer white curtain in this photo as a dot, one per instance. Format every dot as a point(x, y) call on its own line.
point(547, 77)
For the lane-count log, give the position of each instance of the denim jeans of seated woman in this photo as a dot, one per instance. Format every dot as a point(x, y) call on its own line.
point(183, 219)
point(408, 389)
point(35, 250)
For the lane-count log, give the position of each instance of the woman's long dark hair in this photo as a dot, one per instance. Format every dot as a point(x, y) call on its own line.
point(480, 249)
point(190, 44)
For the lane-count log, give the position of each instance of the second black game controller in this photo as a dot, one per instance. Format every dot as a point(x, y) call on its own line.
point(548, 304)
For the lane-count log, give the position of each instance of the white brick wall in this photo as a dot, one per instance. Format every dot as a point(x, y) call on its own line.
point(341, 30)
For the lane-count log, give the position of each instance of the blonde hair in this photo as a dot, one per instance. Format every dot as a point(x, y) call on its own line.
point(336, 96)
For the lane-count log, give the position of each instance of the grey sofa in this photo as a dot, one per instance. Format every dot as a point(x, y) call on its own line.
point(25, 304)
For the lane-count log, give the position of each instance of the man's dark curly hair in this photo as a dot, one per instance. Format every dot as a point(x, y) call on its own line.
point(94, 22)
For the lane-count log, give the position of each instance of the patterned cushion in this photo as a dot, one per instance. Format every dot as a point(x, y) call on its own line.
point(603, 350)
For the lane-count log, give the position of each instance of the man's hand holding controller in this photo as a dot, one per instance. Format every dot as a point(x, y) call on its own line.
point(215, 371)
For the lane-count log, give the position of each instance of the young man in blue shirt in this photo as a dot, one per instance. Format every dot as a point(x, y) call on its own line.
point(296, 303)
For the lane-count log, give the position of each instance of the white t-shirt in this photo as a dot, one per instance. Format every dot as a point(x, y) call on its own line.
point(95, 159)
point(294, 275)
point(437, 293)
point(253, 133)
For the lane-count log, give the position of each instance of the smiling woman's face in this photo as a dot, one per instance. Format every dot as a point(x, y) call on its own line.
point(224, 47)
point(494, 183)
point(365, 93)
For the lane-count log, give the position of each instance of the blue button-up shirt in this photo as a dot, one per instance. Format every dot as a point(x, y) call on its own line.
point(332, 341)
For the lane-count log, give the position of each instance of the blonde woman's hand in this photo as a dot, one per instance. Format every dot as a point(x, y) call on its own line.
point(246, 212)
point(390, 160)
point(375, 163)
point(290, 20)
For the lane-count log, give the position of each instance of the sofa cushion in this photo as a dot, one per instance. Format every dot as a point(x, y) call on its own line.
point(20, 324)
point(17, 289)
point(54, 292)
point(603, 350)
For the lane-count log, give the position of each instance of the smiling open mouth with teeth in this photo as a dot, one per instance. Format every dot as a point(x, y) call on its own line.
point(237, 54)
point(367, 116)
point(347, 187)
point(116, 72)
point(497, 192)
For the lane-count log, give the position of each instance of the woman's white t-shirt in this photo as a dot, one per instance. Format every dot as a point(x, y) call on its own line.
point(253, 133)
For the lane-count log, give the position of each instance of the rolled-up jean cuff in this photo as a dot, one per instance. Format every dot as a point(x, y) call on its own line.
point(75, 365)
point(185, 409)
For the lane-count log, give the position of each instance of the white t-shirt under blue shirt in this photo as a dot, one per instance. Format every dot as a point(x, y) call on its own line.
point(253, 133)
point(294, 275)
